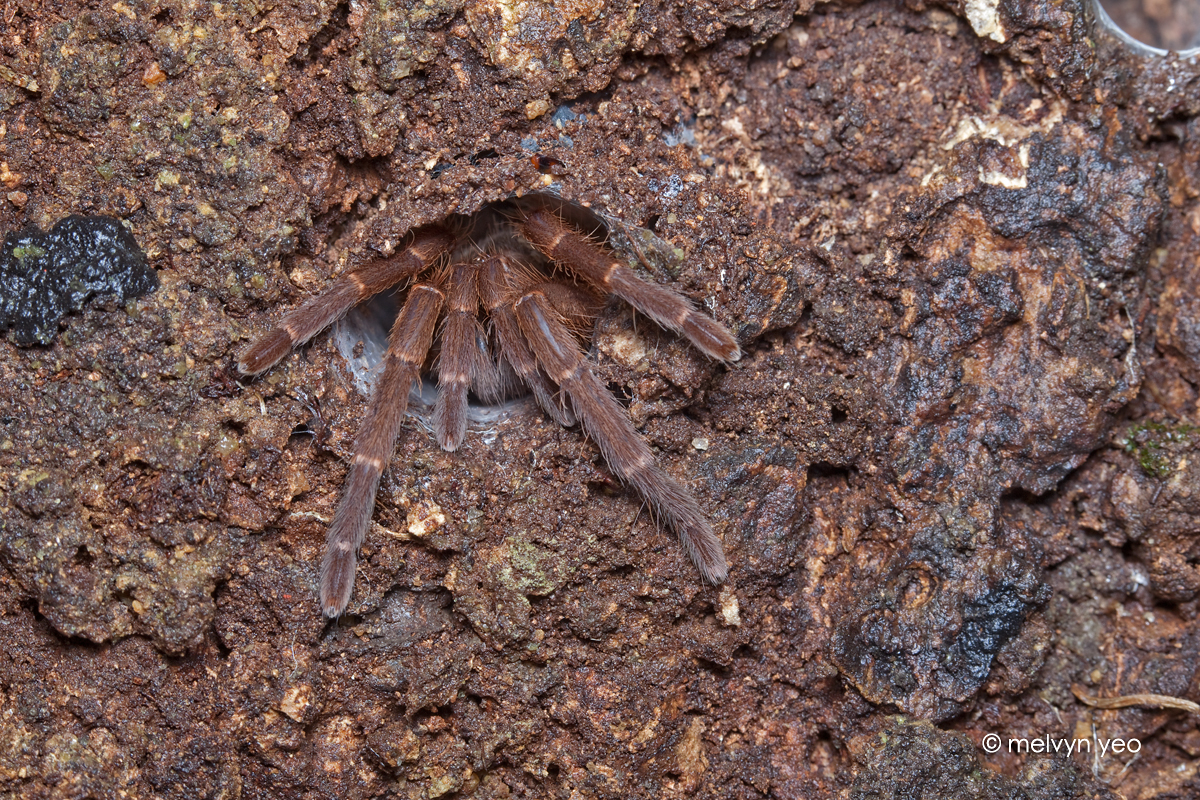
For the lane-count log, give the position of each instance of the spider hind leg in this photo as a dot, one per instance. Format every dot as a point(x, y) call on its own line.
point(623, 449)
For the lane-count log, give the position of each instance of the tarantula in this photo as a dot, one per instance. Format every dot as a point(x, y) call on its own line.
point(541, 281)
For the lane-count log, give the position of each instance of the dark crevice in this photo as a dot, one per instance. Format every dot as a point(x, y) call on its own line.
point(823, 470)
point(312, 49)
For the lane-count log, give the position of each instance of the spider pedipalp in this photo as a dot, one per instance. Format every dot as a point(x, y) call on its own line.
point(540, 282)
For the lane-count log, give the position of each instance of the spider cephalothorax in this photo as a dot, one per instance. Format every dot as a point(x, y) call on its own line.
point(540, 281)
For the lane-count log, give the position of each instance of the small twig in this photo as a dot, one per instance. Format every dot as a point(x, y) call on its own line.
point(1160, 701)
point(295, 661)
point(1125, 770)
point(637, 516)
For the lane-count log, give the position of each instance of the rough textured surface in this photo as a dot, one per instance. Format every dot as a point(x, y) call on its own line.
point(915, 759)
point(45, 275)
point(954, 473)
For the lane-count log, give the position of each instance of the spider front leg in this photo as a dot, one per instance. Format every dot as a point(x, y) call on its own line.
point(500, 278)
point(317, 314)
point(464, 360)
point(569, 248)
point(408, 345)
point(605, 421)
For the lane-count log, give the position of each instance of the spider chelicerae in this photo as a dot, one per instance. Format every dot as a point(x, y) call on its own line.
point(541, 281)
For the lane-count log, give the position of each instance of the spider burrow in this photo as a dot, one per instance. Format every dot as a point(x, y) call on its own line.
point(541, 282)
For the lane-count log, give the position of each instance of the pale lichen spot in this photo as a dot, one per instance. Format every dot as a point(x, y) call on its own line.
point(626, 348)
point(424, 518)
point(296, 701)
point(1014, 178)
point(1006, 130)
point(984, 16)
point(730, 611)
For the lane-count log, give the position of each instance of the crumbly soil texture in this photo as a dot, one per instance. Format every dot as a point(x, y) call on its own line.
point(956, 472)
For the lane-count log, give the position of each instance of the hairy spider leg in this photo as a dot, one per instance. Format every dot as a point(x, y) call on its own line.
point(576, 305)
point(408, 345)
point(605, 421)
point(317, 314)
point(497, 290)
point(569, 248)
point(464, 360)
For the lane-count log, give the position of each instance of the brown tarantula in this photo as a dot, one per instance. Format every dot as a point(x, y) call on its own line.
point(540, 280)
